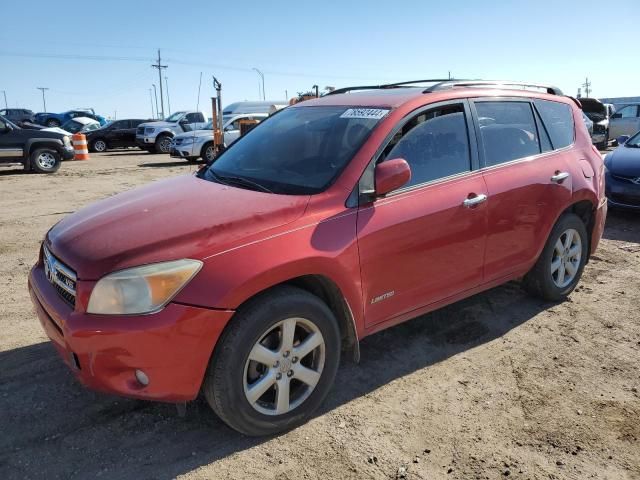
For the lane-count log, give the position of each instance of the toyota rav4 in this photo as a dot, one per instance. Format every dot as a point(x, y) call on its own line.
point(331, 220)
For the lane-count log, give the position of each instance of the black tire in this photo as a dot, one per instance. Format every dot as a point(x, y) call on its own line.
point(163, 143)
point(99, 145)
point(45, 160)
point(224, 383)
point(207, 152)
point(52, 122)
point(539, 281)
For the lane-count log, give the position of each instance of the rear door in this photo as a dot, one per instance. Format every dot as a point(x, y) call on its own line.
point(624, 122)
point(422, 244)
point(118, 133)
point(528, 182)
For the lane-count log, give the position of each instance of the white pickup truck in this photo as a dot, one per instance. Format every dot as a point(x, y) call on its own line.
point(199, 143)
point(157, 136)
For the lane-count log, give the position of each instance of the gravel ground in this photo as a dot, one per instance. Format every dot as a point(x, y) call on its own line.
point(499, 385)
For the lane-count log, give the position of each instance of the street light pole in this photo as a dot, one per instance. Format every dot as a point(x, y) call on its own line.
point(44, 101)
point(166, 84)
point(155, 92)
point(4, 92)
point(262, 77)
point(153, 113)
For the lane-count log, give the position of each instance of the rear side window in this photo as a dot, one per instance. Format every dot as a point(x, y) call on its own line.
point(434, 143)
point(508, 131)
point(558, 120)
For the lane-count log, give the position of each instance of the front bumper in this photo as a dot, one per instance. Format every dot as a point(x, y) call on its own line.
point(67, 153)
point(598, 138)
point(185, 151)
point(622, 194)
point(172, 347)
point(145, 141)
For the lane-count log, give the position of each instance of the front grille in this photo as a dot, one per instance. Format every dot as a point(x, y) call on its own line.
point(140, 131)
point(61, 277)
point(599, 128)
point(626, 199)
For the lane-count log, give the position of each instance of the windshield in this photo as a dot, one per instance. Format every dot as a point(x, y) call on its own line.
point(174, 117)
point(633, 141)
point(297, 151)
point(72, 126)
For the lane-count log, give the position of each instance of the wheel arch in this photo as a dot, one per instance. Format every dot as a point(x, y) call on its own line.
point(585, 210)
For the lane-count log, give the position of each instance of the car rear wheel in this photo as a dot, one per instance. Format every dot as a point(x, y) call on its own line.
point(45, 160)
point(275, 362)
point(163, 144)
point(99, 145)
point(52, 122)
point(560, 266)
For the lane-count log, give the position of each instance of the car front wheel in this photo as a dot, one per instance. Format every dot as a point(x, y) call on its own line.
point(275, 362)
point(208, 153)
point(45, 160)
point(99, 146)
point(163, 144)
point(560, 266)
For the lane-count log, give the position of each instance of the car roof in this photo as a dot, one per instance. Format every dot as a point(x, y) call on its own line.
point(396, 97)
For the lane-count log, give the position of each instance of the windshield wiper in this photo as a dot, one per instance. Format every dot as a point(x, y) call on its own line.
point(245, 182)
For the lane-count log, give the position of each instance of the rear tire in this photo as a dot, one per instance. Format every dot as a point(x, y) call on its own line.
point(559, 267)
point(45, 160)
point(259, 330)
point(98, 145)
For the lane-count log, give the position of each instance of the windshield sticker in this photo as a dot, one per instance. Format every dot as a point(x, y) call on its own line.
point(373, 113)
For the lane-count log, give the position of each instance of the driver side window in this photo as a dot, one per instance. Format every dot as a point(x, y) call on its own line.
point(435, 144)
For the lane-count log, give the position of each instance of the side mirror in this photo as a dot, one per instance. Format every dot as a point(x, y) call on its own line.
point(391, 175)
point(622, 139)
point(616, 115)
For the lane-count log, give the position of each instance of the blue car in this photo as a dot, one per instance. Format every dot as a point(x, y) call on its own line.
point(622, 174)
point(57, 119)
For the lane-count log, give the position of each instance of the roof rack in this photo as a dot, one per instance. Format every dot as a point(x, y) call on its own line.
point(551, 90)
point(385, 85)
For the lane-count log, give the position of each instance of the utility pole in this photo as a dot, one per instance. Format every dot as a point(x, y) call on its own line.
point(155, 92)
point(159, 66)
point(262, 77)
point(286, 95)
point(587, 86)
point(44, 101)
point(449, 74)
point(4, 92)
point(166, 83)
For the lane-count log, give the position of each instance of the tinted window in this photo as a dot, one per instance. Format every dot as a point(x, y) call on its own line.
point(558, 120)
point(120, 124)
point(434, 143)
point(195, 117)
point(630, 111)
point(135, 123)
point(298, 150)
point(508, 131)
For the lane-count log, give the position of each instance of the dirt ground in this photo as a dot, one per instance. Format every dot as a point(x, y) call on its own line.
point(500, 385)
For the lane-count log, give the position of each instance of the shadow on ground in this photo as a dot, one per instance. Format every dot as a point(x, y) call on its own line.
point(623, 225)
point(52, 427)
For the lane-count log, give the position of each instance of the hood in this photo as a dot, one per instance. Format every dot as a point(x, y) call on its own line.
point(56, 130)
point(594, 109)
point(624, 161)
point(182, 217)
point(195, 133)
point(159, 124)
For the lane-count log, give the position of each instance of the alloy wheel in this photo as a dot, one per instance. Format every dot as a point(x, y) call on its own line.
point(99, 146)
point(284, 366)
point(46, 160)
point(165, 144)
point(209, 154)
point(565, 261)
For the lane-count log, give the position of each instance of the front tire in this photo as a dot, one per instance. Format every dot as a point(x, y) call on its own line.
point(275, 362)
point(45, 160)
point(163, 144)
point(208, 153)
point(560, 266)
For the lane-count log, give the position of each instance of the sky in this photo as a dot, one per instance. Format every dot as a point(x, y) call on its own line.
point(99, 54)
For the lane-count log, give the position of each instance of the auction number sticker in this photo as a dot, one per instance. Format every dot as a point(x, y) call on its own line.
point(372, 113)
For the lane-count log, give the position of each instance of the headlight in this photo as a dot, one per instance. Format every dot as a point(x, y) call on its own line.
point(148, 130)
point(66, 141)
point(142, 289)
point(187, 141)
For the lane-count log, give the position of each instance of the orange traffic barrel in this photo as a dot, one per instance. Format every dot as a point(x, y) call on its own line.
point(80, 147)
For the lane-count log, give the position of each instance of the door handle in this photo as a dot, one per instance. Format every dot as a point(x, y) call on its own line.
point(470, 202)
point(559, 177)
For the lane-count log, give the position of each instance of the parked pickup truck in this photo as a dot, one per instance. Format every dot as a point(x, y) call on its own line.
point(157, 136)
point(199, 143)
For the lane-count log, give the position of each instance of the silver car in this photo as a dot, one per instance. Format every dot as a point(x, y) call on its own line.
point(626, 121)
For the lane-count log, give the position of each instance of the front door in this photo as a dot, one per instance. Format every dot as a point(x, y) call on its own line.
point(11, 143)
point(527, 177)
point(425, 242)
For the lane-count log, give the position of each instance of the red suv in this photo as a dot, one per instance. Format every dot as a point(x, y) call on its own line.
point(331, 220)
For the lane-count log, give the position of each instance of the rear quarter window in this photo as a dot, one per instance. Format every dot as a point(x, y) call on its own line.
point(558, 121)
